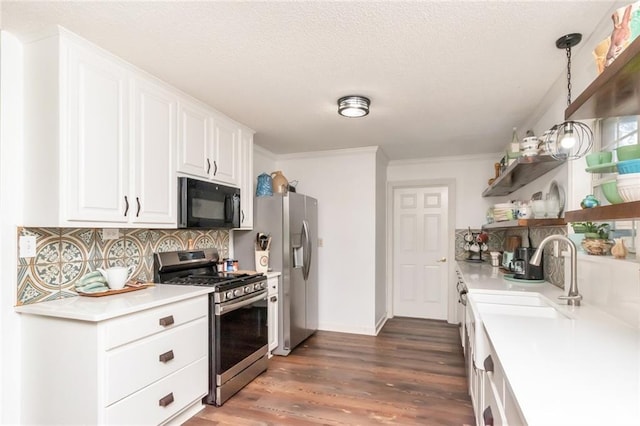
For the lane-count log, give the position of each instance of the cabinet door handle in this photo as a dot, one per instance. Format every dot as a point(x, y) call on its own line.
point(208, 166)
point(215, 167)
point(126, 205)
point(164, 401)
point(166, 321)
point(488, 364)
point(274, 298)
point(166, 357)
point(138, 211)
point(487, 416)
point(242, 211)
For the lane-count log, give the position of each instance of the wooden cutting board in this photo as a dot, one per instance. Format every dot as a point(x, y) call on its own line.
point(111, 292)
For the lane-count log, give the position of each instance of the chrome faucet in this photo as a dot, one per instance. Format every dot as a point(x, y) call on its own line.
point(573, 297)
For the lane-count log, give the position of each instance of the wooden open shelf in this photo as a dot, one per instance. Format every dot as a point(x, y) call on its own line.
point(615, 92)
point(613, 212)
point(523, 223)
point(521, 172)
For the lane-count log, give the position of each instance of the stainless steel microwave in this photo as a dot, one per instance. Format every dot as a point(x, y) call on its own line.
point(204, 204)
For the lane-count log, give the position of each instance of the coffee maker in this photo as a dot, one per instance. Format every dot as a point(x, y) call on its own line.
point(523, 270)
point(512, 244)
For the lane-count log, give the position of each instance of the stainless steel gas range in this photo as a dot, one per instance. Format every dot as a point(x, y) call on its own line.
point(238, 335)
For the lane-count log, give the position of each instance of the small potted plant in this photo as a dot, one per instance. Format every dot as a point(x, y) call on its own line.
point(596, 237)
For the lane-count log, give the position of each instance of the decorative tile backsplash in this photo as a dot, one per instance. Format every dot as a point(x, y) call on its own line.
point(65, 254)
point(553, 266)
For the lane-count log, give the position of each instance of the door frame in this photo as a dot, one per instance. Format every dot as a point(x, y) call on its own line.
point(450, 184)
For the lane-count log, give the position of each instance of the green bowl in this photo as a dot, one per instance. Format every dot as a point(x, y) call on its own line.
point(597, 158)
point(628, 152)
point(610, 190)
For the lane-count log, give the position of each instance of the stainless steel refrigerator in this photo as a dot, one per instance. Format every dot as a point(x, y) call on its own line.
point(292, 222)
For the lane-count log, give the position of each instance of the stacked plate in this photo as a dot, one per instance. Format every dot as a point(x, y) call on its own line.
point(503, 211)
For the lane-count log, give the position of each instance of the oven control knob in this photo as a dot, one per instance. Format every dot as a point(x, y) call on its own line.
point(256, 286)
point(263, 284)
point(228, 295)
point(247, 289)
point(237, 292)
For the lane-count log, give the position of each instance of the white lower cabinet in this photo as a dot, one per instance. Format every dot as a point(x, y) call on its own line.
point(499, 406)
point(272, 295)
point(142, 368)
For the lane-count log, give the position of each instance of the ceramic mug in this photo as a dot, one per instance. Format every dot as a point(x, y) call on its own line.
point(116, 276)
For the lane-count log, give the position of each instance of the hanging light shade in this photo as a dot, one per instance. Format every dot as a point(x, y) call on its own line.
point(353, 106)
point(568, 140)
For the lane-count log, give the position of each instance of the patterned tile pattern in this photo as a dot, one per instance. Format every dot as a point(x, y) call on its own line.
point(553, 267)
point(64, 255)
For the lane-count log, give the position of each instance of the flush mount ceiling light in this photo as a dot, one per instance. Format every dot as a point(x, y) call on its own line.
point(568, 140)
point(353, 106)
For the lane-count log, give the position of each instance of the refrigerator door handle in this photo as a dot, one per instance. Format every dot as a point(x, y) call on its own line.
point(307, 250)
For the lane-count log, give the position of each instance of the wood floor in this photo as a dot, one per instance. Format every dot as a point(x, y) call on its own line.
point(412, 373)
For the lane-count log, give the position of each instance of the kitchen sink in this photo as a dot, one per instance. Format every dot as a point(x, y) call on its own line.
point(520, 310)
point(527, 299)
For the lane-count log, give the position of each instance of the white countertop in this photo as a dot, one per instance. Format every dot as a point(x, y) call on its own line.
point(579, 371)
point(273, 274)
point(103, 308)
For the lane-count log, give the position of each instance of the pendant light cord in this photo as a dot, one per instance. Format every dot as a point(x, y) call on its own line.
point(568, 76)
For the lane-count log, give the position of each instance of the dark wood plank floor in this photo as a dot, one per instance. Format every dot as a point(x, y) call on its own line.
point(412, 373)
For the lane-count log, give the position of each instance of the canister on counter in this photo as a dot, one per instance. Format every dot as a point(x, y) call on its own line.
point(229, 265)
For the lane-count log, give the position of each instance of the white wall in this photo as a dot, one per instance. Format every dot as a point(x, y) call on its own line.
point(471, 174)
point(10, 202)
point(344, 182)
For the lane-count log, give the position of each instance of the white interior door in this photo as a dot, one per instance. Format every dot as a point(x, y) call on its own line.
point(420, 247)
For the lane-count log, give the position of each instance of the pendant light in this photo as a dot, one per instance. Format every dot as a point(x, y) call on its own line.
point(568, 140)
point(353, 106)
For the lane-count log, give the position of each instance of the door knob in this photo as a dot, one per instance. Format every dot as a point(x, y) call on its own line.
point(444, 259)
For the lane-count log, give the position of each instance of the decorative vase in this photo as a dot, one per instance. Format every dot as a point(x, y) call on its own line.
point(280, 183)
point(264, 186)
point(589, 202)
point(619, 251)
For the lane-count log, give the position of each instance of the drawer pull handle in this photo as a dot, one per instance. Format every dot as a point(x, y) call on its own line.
point(166, 321)
point(166, 357)
point(163, 402)
point(274, 298)
point(488, 364)
point(487, 416)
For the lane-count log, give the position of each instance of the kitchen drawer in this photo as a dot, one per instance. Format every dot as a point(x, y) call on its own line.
point(492, 364)
point(185, 386)
point(136, 365)
point(493, 412)
point(139, 325)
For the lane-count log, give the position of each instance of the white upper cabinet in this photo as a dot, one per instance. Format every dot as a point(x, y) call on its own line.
point(226, 141)
point(153, 165)
point(105, 141)
point(94, 138)
point(246, 178)
point(194, 141)
point(208, 144)
point(104, 152)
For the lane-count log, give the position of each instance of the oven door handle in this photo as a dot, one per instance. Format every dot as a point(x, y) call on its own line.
point(223, 309)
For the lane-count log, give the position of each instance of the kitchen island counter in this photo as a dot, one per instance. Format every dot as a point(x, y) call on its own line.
point(580, 370)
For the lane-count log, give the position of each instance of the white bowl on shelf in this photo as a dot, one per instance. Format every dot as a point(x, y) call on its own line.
point(629, 187)
point(629, 193)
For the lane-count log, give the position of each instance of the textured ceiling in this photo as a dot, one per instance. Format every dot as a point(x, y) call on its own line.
point(444, 77)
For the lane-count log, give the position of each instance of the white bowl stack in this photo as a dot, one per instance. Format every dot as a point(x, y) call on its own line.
point(629, 186)
point(503, 212)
